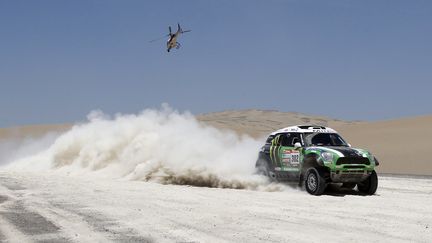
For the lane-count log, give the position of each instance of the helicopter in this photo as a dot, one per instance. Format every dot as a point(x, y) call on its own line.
point(172, 41)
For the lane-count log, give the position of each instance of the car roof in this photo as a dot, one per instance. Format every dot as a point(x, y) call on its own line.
point(305, 129)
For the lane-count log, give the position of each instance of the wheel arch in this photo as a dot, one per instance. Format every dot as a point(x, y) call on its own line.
point(312, 160)
point(263, 158)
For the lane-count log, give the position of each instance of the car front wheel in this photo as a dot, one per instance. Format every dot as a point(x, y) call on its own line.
point(314, 182)
point(370, 185)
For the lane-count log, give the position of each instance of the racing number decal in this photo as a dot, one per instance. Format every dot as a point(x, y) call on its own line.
point(290, 158)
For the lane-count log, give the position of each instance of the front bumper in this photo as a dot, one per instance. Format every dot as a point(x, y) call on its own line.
point(352, 175)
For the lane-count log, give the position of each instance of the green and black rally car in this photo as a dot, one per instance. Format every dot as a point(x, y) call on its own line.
point(316, 156)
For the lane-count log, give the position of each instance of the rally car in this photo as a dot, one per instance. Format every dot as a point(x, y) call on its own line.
point(316, 156)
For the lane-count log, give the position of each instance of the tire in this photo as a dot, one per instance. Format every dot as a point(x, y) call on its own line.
point(314, 182)
point(301, 181)
point(349, 185)
point(370, 185)
point(263, 168)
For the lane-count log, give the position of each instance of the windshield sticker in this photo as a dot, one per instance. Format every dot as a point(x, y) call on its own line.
point(320, 131)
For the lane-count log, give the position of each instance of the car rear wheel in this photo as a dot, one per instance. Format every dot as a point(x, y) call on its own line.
point(314, 182)
point(370, 185)
point(262, 168)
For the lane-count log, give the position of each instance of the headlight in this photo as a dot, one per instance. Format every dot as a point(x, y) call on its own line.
point(367, 155)
point(327, 157)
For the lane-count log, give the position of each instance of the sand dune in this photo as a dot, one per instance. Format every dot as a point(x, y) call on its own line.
point(31, 131)
point(258, 123)
point(401, 145)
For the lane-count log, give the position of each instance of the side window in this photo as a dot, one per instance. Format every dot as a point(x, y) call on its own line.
point(285, 140)
point(295, 139)
point(290, 139)
point(269, 139)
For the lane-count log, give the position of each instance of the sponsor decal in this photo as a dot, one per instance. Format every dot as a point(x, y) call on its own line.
point(325, 149)
point(320, 130)
point(291, 169)
point(362, 153)
point(290, 157)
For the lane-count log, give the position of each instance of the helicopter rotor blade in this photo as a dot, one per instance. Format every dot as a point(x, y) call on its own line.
point(184, 31)
point(160, 38)
point(169, 27)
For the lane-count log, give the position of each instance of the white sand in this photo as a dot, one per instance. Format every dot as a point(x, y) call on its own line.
point(83, 192)
point(103, 210)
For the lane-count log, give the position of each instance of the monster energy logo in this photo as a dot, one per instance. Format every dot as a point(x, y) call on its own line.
point(273, 151)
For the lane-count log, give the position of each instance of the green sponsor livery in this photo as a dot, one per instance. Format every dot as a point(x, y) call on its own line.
point(316, 156)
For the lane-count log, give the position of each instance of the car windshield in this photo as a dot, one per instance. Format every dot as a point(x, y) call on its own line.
point(324, 139)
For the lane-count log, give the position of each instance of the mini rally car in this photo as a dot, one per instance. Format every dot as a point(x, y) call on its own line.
point(316, 156)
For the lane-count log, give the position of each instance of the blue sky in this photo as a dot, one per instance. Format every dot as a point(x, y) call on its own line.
point(367, 60)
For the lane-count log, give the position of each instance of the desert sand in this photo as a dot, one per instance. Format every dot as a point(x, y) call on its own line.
point(31, 131)
point(401, 145)
point(52, 208)
point(258, 123)
point(165, 177)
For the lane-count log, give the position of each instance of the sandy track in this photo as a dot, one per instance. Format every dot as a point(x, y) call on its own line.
point(48, 208)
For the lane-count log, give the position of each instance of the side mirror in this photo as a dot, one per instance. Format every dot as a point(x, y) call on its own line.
point(349, 145)
point(297, 145)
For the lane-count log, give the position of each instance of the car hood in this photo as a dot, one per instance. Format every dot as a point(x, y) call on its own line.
point(339, 150)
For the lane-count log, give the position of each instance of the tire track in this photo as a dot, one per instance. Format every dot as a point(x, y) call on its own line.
point(34, 218)
point(18, 223)
point(88, 222)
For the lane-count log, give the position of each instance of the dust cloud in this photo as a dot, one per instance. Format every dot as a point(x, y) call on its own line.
point(163, 146)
